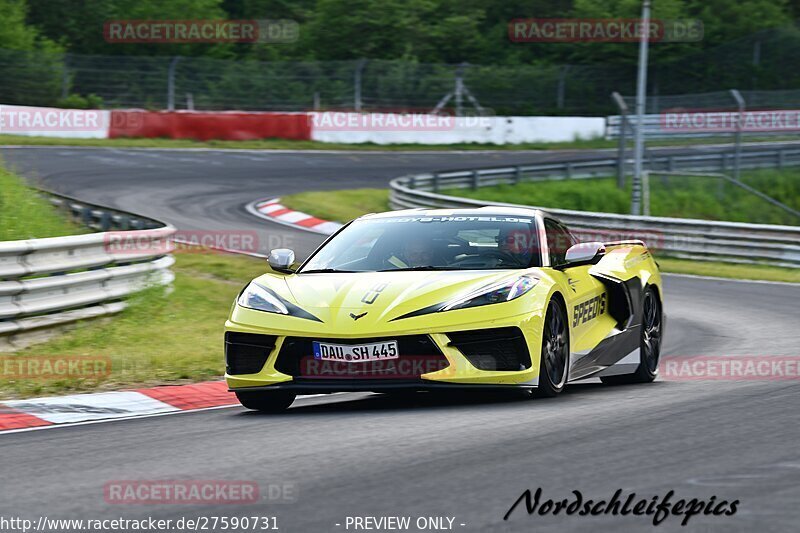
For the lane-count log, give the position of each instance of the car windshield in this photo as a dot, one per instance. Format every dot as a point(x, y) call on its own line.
point(480, 242)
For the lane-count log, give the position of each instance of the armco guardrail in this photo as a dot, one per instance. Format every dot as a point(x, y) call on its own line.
point(719, 161)
point(54, 281)
point(697, 239)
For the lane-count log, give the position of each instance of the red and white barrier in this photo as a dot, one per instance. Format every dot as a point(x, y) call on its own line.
point(225, 125)
point(329, 127)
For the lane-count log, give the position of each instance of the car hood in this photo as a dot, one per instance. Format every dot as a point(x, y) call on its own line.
point(385, 295)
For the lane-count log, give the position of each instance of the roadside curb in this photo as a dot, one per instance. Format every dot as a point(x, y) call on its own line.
point(79, 408)
point(272, 210)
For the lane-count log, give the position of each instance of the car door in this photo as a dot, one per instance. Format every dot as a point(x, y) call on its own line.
point(586, 296)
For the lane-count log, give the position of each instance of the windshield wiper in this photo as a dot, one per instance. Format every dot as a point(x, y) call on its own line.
point(426, 267)
point(327, 271)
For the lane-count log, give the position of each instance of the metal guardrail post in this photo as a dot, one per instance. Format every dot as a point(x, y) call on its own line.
point(739, 125)
point(458, 90)
point(171, 83)
point(65, 77)
point(517, 175)
point(435, 182)
point(86, 215)
point(568, 171)
point(641, 96)
point(476, 180)
point(646, 193)
point(623, 128)
point(562, 86)
point(360, 64)
point(105, 221)
point(781, 159)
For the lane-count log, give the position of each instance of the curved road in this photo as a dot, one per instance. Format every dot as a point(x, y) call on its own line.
point(370, 455)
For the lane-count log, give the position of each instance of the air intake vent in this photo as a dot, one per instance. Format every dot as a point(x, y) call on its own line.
point(493, 349)
point(246, 353)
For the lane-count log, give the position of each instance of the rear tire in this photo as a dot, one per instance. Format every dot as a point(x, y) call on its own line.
point(554, 359)
point(649, 343)
point(266, 401)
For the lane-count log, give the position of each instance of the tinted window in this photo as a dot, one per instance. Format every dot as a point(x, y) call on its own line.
point(559, 240)
point(433, 242)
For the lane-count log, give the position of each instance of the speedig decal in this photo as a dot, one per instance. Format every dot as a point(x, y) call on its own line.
point(588, 310)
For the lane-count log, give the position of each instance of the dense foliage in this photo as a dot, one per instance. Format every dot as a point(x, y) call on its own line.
point(748, 44)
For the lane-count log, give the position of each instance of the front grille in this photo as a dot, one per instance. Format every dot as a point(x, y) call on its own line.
point(246, 353)
point(493, 349)
point(418, 355)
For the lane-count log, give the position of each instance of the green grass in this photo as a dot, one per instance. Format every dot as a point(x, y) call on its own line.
point(340, 206)
point(285, 144)
point(164, 336)
point(683, 197)
point(26, 215)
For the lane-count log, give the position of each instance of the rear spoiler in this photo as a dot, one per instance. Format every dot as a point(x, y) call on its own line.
point(632, 242)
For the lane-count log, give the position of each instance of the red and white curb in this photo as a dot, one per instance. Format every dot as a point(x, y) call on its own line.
point(82, 408)
point(274, 211)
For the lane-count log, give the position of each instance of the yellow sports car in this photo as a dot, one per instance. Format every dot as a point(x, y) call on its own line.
point(418, 300)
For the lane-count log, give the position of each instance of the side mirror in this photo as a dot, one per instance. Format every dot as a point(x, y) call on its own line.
point(281, 259)
point(585, 253)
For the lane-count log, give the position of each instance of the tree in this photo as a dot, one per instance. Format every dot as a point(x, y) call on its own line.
point(15, 33)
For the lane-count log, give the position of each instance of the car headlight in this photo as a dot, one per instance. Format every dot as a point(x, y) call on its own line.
point(254, 296)
point(504, 291)
point(260, 298)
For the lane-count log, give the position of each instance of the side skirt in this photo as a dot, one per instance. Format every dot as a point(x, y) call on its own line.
point(619, 348)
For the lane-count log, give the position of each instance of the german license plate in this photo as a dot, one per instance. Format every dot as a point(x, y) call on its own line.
point(355, 353)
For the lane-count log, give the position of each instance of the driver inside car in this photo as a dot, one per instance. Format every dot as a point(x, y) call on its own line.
point(417, 252)
point(517, 243)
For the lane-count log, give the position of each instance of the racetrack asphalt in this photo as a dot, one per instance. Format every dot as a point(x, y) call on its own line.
point(468, 458)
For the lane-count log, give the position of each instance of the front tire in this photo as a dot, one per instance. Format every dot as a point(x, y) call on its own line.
point(266, 401)
point(554, 360)
point(649, 343)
